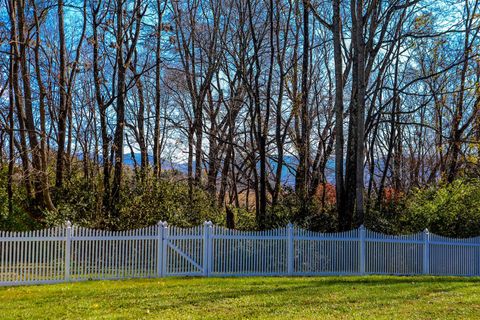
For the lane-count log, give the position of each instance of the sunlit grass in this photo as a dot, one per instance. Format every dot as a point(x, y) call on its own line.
point(235, 298)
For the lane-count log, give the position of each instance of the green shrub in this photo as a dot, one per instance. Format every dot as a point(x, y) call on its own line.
point(147, 203)
point(79, 201)
point(387, 218)
point(19, 219)
point(244, 219)
point(311, 215)
point(451, 209)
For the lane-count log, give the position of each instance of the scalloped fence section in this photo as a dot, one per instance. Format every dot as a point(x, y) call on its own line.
point(72, 253)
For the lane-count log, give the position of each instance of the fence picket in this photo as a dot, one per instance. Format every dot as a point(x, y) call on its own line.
point(160, 249)
point(426, 251)
point(362, 249)
point(290, 253)
point(68, 242)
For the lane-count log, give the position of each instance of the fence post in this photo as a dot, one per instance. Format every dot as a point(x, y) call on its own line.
point(68, 243)
point(362, 248)
point(160, 249)
point(207, 248)
point(290, 248)
point(426, 251)
point(165, 234)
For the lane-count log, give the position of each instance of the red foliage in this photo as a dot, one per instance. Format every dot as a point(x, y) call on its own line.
point(391, 195)
point(328, 192)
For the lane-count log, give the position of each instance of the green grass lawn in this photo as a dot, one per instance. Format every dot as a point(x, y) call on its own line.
point(248, 298)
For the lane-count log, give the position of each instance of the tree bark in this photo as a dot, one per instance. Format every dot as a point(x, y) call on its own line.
point(62, 115)
point(302, 175)
point(340, 195)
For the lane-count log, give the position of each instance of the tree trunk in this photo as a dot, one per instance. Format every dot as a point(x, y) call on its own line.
point(343, 218)
point(62, 115)
point(11, 150)
point(120, 126)
point(157, 160)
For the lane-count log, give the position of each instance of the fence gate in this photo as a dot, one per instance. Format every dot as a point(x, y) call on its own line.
point(185, 250)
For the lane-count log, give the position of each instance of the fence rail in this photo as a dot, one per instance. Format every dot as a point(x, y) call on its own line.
point(72, 253)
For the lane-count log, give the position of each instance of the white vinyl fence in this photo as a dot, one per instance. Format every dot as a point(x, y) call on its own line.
point(74, 253)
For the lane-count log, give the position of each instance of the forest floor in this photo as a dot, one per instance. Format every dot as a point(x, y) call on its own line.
point(349, 297)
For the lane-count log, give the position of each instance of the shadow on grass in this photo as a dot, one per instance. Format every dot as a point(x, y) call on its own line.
point(207, 290)
point(271, 295)
point(391, 280)
point(335, 280)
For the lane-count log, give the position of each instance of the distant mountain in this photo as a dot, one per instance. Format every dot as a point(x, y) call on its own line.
point(290, 164)
point(166, 165)
point(288, 169)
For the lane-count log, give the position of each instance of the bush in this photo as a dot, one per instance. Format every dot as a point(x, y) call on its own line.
point(312, 215)
point(244, 219)
point(387, 218)
point(147, 203)
point(79, 201)
point(451, 209)
point(143, 203)
point(19, 220)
